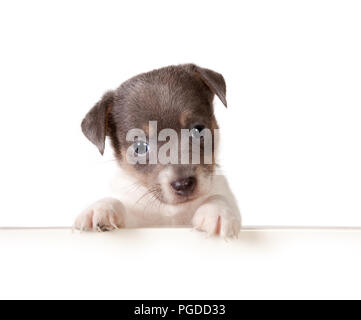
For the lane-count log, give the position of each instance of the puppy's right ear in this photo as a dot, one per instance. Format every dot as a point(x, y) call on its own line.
point(213, 80)
point(95, 123)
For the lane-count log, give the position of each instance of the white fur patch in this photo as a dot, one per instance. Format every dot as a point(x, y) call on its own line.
point(214, 211)
point(104, 215)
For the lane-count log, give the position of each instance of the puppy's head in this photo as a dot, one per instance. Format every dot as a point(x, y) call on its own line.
point(176, 98)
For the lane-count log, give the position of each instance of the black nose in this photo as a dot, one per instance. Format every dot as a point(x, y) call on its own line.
point(184, 186)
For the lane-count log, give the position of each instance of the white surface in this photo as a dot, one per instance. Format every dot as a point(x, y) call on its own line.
point(292, 130)
point(179, 264)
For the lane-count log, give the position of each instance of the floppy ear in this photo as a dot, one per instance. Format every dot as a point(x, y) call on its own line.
point(95, 123)
point(214, 81)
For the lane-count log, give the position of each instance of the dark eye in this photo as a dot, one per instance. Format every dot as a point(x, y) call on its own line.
point(196, 131)
point(140, 147)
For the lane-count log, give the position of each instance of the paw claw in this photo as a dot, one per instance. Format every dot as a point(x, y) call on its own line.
point(216, 218)
point(104, 215)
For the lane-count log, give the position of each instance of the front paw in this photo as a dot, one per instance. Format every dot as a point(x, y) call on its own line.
point(216, 217)
point(104, 215)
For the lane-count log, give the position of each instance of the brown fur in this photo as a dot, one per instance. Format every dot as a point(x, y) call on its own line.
point(177, 97)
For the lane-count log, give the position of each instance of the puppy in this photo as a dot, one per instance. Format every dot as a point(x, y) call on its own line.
point(154, 193)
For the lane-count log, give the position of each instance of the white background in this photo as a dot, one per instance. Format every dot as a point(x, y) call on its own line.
point(179, 264)
point(291, 133)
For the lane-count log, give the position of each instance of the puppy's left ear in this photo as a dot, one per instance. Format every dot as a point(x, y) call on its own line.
point(95, 123)
point(214, 81)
